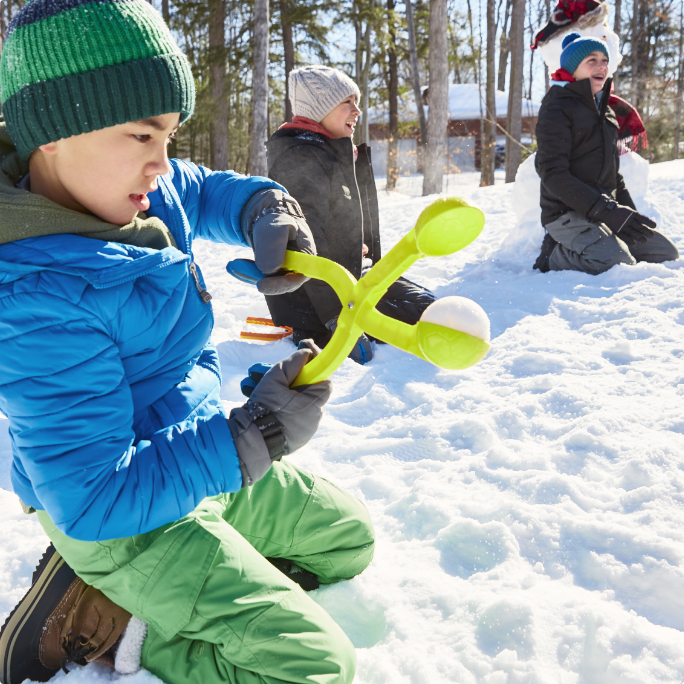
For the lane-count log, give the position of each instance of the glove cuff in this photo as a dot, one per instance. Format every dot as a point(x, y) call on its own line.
point(271, 430)
point(269, 201)
point(601, 208)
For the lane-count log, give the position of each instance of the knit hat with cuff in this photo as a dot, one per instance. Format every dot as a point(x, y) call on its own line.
point(316, 90)
point(74, 66)
point(576, 48)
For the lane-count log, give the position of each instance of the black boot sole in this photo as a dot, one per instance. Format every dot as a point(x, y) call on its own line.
point(20, 635)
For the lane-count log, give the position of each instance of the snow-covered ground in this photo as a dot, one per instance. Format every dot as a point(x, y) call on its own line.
point(530, 510)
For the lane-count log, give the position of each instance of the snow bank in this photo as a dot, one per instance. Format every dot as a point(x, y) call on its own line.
point(528, 510)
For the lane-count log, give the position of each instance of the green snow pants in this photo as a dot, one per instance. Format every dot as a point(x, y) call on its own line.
point(217, 610)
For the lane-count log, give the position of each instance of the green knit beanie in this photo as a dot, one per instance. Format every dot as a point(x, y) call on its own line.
point(75, 66)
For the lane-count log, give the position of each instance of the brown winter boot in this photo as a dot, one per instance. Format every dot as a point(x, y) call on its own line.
point(61, 620)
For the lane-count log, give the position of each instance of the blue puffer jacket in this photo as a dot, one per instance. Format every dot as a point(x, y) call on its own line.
point(107, 373)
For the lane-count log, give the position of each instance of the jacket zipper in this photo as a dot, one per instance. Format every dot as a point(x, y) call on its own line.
point(203, 293)
point(206, 297)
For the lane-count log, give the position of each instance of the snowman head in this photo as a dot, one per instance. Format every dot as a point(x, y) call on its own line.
point(586, 17)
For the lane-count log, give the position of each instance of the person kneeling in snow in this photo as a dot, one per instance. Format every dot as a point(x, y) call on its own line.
point(590, 218)
point(180, 539)
point(332, 179)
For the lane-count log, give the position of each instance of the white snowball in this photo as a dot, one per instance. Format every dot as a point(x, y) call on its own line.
point(459, 313)
point(551, 52)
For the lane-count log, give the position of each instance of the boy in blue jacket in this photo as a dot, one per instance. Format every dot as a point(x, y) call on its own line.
point(180, 540)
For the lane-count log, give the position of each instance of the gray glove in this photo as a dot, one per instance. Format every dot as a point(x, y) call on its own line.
point(362, 352)
point(278, 420)
point(272, 222)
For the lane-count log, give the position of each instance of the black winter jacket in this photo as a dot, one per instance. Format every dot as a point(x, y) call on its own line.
point(577, 154)
point(340, 204)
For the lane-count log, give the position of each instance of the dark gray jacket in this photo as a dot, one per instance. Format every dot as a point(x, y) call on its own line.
point(577, 156)
point(340, 203)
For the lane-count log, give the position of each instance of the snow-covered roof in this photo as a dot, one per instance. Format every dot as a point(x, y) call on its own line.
point(464, 104)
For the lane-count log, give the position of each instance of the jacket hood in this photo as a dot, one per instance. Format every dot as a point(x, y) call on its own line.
point(25, 214)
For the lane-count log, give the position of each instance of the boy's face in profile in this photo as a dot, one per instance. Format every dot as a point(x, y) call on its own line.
point(341, 121)
point(109, 172)
point(595, 67)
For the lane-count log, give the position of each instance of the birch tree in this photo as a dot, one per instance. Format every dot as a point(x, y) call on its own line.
point(514, 117)
point(288, 53)
point(415, 74)
point(259, 131)
point(393, 88)
point(503, 48)
point(365, 52)
point(680, 83)
point(617, 27)
point(438, 94)
point(489, 146)
point(217, 75)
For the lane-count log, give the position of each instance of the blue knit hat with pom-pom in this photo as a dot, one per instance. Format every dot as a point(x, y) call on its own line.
point(576, 48)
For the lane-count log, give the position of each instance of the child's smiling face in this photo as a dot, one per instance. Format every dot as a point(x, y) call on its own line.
point(594, 67)
point(108, 172)
point(341, 122)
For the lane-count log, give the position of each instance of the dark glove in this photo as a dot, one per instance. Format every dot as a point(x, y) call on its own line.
point(277, 420)
point(362, 352)
point(627, 223)
point(272, 222)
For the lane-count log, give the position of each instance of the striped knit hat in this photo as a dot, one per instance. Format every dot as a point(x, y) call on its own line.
point(316, 90)
point(74, 66)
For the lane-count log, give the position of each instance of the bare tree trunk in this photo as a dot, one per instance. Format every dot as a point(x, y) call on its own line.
point(217, 74)
point(680, 85)
point(288, 52)
point(514, 118)
point(635, 42)
point(415, 75)
point(504, 48)
point(393, 133)
point(489, 147)
point(617, 27)
point(3, 30)
point(172, 149)
point(532, 53)
point(366, 74)
point(3, 25)
point(435, 150)
point(546, 68)
point(257, 149)
point(358, 35)
point(640, 55)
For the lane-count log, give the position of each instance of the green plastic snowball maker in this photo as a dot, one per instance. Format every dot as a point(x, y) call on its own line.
point(446, 226)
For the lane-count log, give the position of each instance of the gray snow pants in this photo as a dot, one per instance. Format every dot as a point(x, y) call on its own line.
point(591, 247)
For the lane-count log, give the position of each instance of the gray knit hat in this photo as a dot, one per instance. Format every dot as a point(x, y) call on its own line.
point(316, 90)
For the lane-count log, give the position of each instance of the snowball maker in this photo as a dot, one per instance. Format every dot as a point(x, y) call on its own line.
point(444, 227)
point(459, 313)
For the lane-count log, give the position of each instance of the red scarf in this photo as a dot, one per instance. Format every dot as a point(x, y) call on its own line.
point(302, 123)
point(631, 130)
